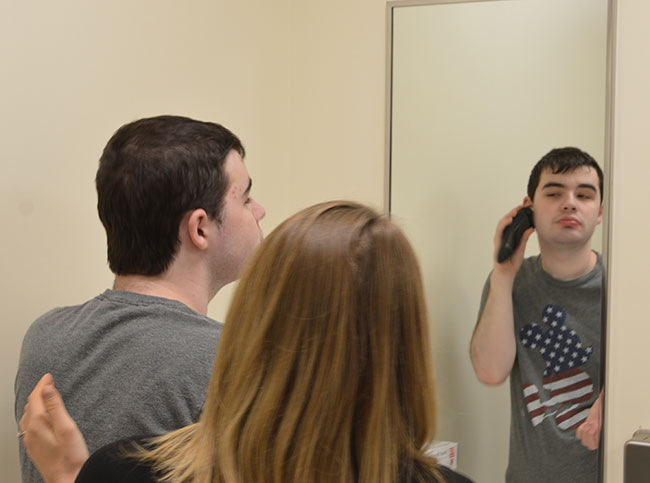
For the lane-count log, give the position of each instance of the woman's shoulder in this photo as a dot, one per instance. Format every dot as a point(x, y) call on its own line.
point(418, 472)
point(450, 476)
point(110, 463)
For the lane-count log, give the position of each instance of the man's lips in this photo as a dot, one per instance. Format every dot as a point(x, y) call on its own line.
point(568, 221)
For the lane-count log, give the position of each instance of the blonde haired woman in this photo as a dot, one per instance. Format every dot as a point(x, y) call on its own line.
point(322, 374)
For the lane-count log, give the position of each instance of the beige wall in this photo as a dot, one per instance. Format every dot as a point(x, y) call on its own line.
point(74, 71)
point(337, 100)
point(301, 81)
point(628, 391)
point(330, 145)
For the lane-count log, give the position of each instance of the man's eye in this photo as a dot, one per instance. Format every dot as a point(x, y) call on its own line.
point(552, 195)
point(248, 200)
point(584, 196)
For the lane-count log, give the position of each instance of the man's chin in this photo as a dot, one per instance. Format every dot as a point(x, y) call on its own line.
point(577, 239)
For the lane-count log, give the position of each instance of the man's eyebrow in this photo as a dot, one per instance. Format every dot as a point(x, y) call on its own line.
point(588, 186)
point(250, 185)
point(554, 184)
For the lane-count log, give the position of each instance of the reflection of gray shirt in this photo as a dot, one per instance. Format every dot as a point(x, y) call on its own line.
point(556, 375)
point(125, 364)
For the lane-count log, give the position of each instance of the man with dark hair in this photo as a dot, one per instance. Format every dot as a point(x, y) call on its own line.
point(175, 199)
point(540, 322)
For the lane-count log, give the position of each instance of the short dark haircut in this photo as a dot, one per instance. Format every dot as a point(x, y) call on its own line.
point(563, 160)
point(151, 173)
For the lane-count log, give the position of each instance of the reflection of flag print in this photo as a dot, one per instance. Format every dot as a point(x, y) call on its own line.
point(567, 390)
point(566, 385)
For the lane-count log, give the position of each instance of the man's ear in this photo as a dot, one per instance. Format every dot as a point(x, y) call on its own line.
point(527, 201)
point(600, 215)
point(197, 225)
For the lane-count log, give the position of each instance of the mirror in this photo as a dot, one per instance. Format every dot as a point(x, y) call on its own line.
point(478, 93)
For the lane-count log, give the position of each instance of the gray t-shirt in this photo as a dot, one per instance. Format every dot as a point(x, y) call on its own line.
point(556, 375)
point(125, 364)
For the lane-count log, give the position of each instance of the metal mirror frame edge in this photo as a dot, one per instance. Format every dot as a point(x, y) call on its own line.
point(607, 162)
point(607, 225)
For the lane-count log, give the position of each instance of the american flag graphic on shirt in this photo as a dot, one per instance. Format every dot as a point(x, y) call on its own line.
point(565, 385)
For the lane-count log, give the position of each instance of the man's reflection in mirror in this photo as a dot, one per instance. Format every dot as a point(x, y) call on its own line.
point(540, 322)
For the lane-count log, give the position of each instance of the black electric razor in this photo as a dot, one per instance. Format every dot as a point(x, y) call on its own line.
point(513, 232)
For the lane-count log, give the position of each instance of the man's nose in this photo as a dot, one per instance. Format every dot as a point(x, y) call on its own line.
point(569, 203)
point(260, 212)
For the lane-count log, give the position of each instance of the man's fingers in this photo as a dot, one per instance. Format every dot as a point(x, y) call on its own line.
point(526, 235)
point(62, 423)
point(35, 398)
point(521, 248)
point(24, 419)
point(503, 222)
point(35, 412)
point(590, 442)
point(588, 436)
point(53, 402)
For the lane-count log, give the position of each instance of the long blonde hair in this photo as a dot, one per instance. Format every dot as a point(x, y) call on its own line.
point(323, 369)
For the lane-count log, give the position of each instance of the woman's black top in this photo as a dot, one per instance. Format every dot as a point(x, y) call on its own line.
point(109, 465)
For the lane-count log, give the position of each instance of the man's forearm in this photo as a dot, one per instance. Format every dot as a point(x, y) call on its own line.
point(493, 348)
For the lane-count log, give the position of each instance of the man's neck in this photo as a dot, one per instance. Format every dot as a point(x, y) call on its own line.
point(569, 263)
point(161, 286)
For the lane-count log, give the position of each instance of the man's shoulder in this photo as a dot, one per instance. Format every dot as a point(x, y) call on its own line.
point(532, 272)
point(53, 318)
point(530, 268)
point(112, 306)
point(112, 327)
point(531, 263)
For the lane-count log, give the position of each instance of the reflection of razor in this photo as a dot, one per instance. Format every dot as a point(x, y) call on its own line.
point(513, 232)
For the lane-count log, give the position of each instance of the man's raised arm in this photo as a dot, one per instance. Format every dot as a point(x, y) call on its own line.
point(493, 347)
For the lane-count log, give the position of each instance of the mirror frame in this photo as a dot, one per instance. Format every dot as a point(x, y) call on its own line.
point(391, 5)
